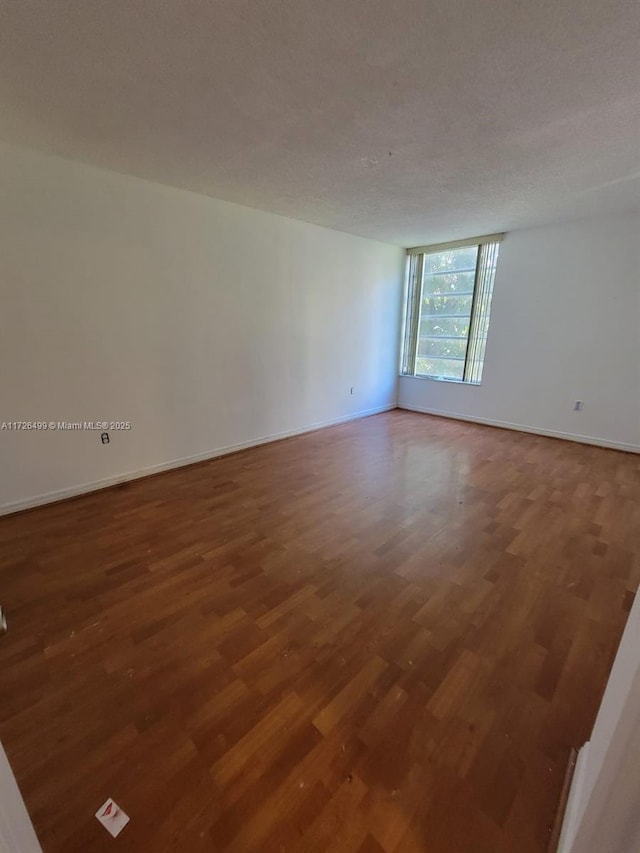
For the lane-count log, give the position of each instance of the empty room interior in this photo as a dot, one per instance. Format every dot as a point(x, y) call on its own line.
point(319, 426)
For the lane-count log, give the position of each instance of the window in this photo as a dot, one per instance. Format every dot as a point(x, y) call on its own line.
point(448, 306)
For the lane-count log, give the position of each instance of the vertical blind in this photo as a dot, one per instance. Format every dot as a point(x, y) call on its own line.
point(486, 271)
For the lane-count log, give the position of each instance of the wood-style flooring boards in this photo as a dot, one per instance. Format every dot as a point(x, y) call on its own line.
point(382, 636)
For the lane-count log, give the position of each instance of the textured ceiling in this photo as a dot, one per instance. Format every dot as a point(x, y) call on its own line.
point(406, 121)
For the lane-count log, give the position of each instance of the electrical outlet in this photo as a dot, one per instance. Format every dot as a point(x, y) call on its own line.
point(577, 406)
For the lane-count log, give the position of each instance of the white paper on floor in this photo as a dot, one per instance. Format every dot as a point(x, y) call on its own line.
point(112, 817)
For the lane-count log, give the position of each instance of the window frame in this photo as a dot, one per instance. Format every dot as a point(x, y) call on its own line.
point(414, 298)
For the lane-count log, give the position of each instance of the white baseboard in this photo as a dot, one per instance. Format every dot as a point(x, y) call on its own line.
point(85, 488)
point(573, 812)
point(568, 436)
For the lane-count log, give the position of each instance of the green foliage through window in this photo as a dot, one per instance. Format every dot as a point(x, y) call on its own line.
point(448, 312)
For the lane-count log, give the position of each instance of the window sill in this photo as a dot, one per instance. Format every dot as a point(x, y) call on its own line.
point(440, 379)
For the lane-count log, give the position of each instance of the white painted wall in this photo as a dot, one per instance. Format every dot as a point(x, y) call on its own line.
point(565, 326)
point(205, 324)
point(17, 834)
point(602, 813)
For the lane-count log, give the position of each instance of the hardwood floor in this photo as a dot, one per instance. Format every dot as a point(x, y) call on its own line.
point(383, 636)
